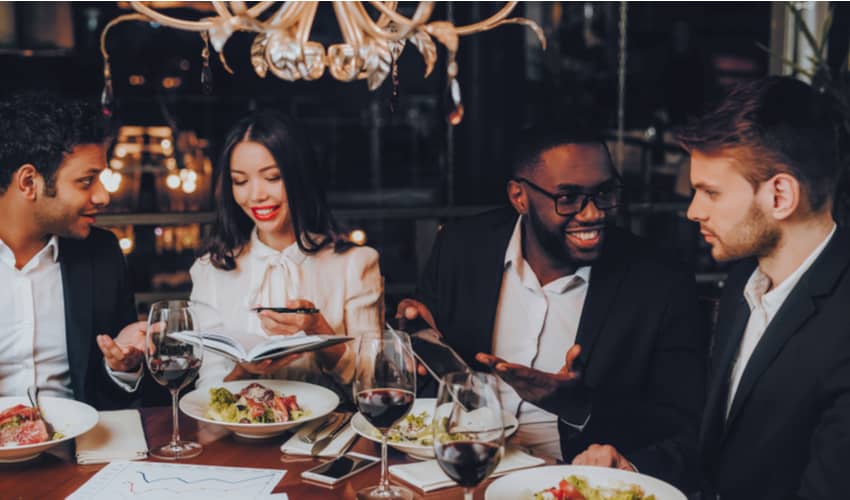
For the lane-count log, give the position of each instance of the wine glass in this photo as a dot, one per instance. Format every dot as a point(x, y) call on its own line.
point(384, 389)
point(469, 433)
point(174, 351)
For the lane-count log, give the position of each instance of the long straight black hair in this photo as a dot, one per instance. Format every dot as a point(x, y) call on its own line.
point(312, 221)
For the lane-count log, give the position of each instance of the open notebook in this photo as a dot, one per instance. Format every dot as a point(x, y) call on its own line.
point(256, 348)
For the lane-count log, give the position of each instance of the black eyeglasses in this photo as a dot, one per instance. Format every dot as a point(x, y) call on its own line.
point(574, 202)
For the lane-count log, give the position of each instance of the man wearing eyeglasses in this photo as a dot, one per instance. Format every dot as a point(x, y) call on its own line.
point(596, 334)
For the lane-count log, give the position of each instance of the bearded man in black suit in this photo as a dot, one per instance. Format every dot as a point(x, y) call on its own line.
point(597, 335)
point(764, 166)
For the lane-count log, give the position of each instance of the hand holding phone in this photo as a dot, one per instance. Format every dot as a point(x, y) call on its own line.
point(340, 468)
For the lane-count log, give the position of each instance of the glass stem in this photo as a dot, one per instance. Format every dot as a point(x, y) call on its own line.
point(175, 431)
point(384, 485)
point(467, 494)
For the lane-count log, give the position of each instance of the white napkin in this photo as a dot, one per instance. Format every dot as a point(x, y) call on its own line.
point(427, 475)
point(297, 447)
point(118, 435)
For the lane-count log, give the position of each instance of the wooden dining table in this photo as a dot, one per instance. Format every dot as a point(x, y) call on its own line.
point(53, 475)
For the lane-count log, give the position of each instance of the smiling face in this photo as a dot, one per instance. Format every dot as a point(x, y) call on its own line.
point(68, 208)
point(728, 211)
point(572, 239)
point(259, 189)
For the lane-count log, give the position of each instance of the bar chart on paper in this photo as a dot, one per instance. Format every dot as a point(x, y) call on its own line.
point(152, 480)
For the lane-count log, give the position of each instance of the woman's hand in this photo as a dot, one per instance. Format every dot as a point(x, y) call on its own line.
point(262, 369)
point(274, 323)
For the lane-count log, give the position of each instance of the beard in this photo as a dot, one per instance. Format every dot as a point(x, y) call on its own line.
point(754, 236)
point(554, 242)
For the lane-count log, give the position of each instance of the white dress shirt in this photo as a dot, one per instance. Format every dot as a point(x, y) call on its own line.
point(33, 348)
point(535, 326)
point(763, 307)
point(346, 287)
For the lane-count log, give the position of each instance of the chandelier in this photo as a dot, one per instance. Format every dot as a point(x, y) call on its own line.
point(369, 50)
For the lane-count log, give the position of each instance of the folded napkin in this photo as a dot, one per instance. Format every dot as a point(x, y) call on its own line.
point(297, 447)
point(427, 475)
point(118, 435)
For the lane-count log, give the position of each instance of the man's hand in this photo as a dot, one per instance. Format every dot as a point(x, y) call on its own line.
point(125, 352)
point(534, 385)
point(409, 310)
point(603, 455)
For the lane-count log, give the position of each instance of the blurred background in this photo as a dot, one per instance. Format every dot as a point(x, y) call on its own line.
point(394, 173)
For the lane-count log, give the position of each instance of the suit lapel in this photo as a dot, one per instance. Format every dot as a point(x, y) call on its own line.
point(485, 284)
point(792, 315)
point(606, 276)
point(77, 289)
point(730, 328)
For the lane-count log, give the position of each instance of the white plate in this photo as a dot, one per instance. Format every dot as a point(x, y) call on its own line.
point(522, 485)
point(316, 400)
point(364, 428)
point(67, 416)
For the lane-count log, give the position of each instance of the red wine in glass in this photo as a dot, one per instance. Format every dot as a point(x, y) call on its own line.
point(384, 407)
point(176, 372)
point(468, 462)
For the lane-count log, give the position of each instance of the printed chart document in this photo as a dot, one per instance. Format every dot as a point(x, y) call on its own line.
point(133, 480)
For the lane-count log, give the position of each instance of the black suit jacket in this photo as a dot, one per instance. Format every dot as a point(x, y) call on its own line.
point(98, 300)
point(643, 347)
point(788, 430)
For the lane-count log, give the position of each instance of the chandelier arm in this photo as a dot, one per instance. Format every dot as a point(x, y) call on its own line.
point(528, 23)
point(286, 16)
point(306, 24)
point(112, 23)
point(260, 8)
point(239, 8)
point(383, 19)
point(423, 12)
point(222, 9)
point(169, 21)
point(400, 19)
point(352, 36)
point(488, 23)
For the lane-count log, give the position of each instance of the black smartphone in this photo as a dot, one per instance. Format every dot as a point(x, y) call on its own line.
point(340, 468)
point(290, 310)
point(438, 358)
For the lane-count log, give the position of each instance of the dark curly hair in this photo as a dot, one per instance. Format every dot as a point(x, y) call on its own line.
point(39, 129)
point(312, 221)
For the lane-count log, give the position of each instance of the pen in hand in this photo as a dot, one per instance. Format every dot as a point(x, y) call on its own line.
point(289, 310)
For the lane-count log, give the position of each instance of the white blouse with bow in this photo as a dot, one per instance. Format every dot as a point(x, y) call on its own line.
point(345, 287)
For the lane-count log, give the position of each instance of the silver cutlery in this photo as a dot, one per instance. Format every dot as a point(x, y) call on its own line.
point(313, 435)
point(323, 443)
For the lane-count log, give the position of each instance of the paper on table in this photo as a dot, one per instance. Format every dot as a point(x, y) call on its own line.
point(166, 481)
point(427, 475)
point(297, 447)
point(118, 435)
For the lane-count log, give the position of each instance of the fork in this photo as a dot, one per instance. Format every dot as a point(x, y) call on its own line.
point(313, 435)
point(32, 394)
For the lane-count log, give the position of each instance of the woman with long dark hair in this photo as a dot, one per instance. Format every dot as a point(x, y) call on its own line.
point(275, 244)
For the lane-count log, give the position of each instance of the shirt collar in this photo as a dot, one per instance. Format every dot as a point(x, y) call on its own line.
point(515, 259)
point(262, 251)
point(754, 290)
point(51, 248)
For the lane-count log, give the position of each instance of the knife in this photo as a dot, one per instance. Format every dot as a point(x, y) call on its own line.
point(323, 443)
